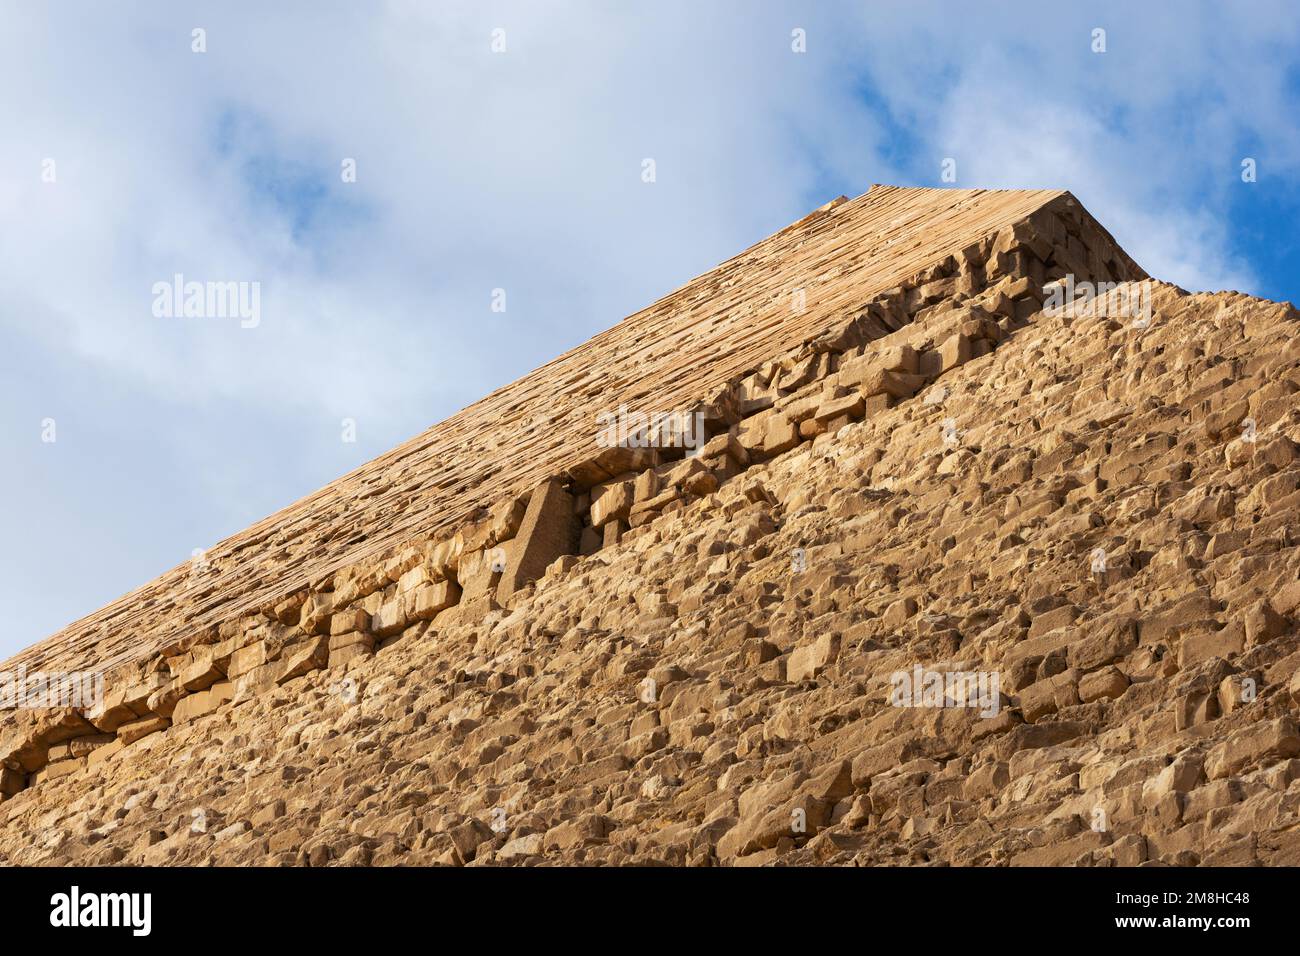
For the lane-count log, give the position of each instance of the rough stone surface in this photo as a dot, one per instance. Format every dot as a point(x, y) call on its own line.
point(954, 579)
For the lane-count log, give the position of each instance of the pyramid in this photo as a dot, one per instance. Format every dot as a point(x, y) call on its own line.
point(684, 349)
point(884, 541)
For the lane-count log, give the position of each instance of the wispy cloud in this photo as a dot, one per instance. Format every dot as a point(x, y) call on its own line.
point(518, 170)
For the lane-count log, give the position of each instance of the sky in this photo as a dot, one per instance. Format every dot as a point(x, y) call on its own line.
point(500, 156)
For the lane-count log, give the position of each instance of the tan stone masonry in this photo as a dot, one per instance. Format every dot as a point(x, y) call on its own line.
point(683, 350)
point(880, 352)
point(633, 655)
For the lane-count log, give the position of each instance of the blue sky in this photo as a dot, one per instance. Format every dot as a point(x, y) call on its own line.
point(518, 170)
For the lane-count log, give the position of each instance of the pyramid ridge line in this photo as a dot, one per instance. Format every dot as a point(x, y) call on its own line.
point(862, 205)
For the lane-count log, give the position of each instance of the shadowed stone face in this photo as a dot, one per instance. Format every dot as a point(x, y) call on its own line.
point(549, 531)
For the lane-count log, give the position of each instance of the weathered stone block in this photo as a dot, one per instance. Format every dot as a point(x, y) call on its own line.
point(809, 660)
point(137, 729)
point(611, 502)
point(549, 530)
point(298, 659)
point(432, 598)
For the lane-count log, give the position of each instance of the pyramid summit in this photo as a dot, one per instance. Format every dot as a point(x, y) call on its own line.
point(811, 279)
point(934, 531)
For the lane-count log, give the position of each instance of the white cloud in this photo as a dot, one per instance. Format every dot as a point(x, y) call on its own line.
point(477, 171)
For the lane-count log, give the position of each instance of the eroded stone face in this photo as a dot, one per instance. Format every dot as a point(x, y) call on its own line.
point(955, 579)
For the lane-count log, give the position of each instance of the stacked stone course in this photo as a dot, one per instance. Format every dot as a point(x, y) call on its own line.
point(622, 658)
